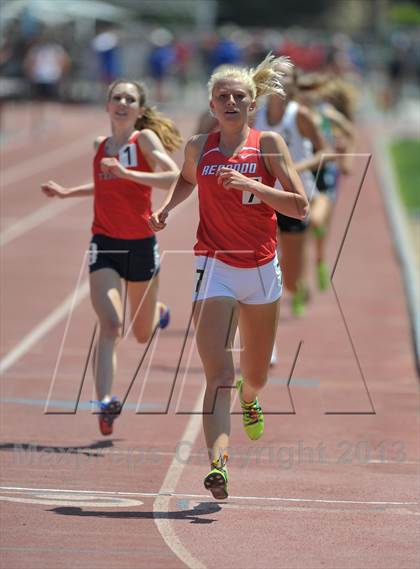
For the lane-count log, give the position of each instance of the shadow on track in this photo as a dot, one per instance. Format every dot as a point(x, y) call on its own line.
point(192, 515)
point(36, 448)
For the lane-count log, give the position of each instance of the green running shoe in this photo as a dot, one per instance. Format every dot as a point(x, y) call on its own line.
point(298, 303)
point(323, 275)
point(252, 415)
point(217, 479)
point(319, 232)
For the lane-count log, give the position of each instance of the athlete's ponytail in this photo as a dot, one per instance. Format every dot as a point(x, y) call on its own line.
point(341, 94)
point(265, 79)
point(164, 127)
point(268, 75)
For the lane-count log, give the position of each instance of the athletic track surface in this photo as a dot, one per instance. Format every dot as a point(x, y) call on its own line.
point(332, 484)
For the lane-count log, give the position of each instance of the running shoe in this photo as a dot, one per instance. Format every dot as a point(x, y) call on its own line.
point(323, 275)
point(319, 232)
point(298, 304)
point(252, 415)
point(299, 299)
point(109, 411)
point(217, 479)
point(164, 316)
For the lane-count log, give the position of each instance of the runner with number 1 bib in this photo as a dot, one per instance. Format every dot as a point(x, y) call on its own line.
point(123, 246)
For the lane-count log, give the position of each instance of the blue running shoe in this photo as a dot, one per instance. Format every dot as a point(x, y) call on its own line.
point(164, 316)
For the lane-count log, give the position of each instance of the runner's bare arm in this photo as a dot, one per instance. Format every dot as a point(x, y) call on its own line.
point(184, 185)
point(157, 158)
point(344, 139)
point(291, 200)
point(322, 150)
point(51, 189)
point(340, 121)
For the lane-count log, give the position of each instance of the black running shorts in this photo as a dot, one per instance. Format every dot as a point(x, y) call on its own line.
point(290, 224)
point(133, 259)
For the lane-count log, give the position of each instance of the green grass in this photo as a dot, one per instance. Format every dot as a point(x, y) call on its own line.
point(406, 159)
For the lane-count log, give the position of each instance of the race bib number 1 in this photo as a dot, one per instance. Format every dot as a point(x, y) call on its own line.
point(128, 156)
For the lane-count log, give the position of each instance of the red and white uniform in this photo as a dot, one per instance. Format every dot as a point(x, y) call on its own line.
point(236, 225)
point(122, 207)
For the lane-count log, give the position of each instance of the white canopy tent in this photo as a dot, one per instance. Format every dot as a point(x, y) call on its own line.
point(56, 12)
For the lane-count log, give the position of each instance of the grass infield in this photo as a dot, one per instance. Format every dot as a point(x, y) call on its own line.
point(406, 160)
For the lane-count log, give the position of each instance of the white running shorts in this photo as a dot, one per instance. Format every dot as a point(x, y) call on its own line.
point(257, 285)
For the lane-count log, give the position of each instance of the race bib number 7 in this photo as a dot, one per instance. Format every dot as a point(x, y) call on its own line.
point(248, 198)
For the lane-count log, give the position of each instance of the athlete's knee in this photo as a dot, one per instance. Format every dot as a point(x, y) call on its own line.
point(316, 221)
point(256, 380)
point(142, 337)
point(222, 378)
point(111, 328)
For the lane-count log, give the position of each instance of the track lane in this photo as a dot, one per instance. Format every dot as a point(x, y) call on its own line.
point(347, 530)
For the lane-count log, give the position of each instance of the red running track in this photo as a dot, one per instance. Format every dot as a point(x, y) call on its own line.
point(333, 483)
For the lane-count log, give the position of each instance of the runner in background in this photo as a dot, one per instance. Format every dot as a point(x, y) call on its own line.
point(342, 96)
point(123, 247)
point(339, 133)
point(307, 148)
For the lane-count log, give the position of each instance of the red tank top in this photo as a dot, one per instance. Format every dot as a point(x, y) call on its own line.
point(122, 207)
point(236, 223)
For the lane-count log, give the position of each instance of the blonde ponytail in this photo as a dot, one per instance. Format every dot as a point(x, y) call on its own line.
point(341, 94)
point(268, 75)
point(265, 79)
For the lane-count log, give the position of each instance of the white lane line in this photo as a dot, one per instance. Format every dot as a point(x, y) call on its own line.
point(161, 504)
point(105, 492)
point(73, 501)
point(146, 550)
point(206, 496)
point(36, 218)
point(232, 462)
point(44, 327)
point(48, 160)
point(307, 509)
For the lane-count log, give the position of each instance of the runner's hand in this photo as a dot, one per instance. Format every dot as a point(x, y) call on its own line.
point(233, 180)
point(51, 189)
point(157, 220)
point(113, 166)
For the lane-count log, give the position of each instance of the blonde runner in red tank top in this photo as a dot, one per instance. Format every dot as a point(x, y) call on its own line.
point(122, 207)
point(235, 226)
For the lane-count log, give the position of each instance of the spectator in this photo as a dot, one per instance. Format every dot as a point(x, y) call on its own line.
point(226, 51)
point(106, 47)
point(161, 60)
point(46, 64)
